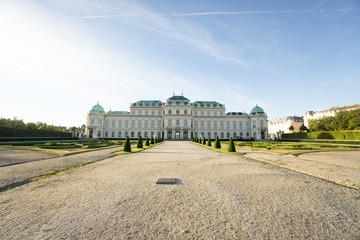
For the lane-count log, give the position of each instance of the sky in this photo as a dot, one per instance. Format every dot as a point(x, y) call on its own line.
point(58, 58)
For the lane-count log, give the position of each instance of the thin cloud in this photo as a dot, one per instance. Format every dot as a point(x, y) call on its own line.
point(214, 13)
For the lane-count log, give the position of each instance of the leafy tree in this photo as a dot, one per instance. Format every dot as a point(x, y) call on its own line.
point(217, 143)
point(147, 142)
point(127, 145)
point(303, 128)
point(291, 128)
point(139, 142)
point(231, 147)
point(204, 141)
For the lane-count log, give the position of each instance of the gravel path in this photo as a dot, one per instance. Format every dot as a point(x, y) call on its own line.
point(38, 163)
point(342, 167)
point(217, 196)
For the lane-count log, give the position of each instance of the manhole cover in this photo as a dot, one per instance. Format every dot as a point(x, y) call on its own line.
point(166, 181)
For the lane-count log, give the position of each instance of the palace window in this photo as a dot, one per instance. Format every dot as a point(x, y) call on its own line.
point(241, 125)
point(227, 124)
point(106, 133)
point(185, 123)
point(208, 124)
point(215, 125)
point(247, 134)
point(152, 113)
point(196, 134)
point(234, 135)
point(254, 124)
point(227, 135)
point(169, 123)
point(177, 111)
point(169, 111)
point(146, 113)
point(222, 135)
point(209, 135)
point(152, 134)
point(208, 113)
point(112, 134)
point(133, 124)
point(247, 125)
point(159, 134)
point(107, 123)
point(119, 134)
point(241, 134)
point(215, 134)
point(152, 123)
point(146, 123)
point(145, 134)
point(139, 133)
point(195, 124)
point(234, 125)
point(139, 124)
point(126, 124)
point(202, 113)
point(185, 111)
point(99, 133)
point(202, 124)
point(113, 123)
point(177, 123)
point(132, 134)
point(159, 123)
point(202, 134)
point(126, 134)
point(221, 125)
point(92, 121)
point(261, 123)
point(120, 123)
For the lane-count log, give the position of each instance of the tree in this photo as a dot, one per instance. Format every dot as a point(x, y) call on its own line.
point(204, 141)
point(147, 142)
point(231, 147)
point(152, 140)
point(291, 128)
point(127, 145)
point(139, 142)
point(209, 142)
point(156, 140)
point(217, 143)
point(303, 128)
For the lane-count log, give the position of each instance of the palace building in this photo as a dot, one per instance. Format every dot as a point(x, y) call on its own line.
point(176, 118)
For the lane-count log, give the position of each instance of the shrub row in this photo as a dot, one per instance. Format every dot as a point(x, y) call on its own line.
point(351, 135)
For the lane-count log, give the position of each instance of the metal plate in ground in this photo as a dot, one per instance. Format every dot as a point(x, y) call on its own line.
point(166, 181)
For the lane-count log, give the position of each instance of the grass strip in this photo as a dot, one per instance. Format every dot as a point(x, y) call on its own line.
point(221, 150)
point(135, 150)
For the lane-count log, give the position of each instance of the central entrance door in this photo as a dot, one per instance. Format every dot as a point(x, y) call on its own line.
point(169, 135)
point(186, 135)
point(177, 135)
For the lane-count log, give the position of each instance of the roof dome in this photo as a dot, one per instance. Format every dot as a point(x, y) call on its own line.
point(257, 110)
point(97, 109)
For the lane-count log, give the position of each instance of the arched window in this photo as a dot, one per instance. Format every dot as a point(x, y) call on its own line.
point(177, 111)
point(185, 111)
point(106, 133)
point(119, 134)
point(185, 123)
point(177, 123)
point(169, 111)
point(112, 134)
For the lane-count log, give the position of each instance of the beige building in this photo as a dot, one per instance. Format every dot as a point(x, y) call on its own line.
point(328, 112)
point(279, 126)
point(176, 118)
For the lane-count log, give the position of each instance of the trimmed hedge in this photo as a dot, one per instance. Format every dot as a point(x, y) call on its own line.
point(22, 132)
point(350, 135)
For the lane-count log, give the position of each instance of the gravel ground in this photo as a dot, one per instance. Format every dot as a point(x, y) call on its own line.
point(42, 163)
point(342, 167)
point(11, 157)
point(217, 196)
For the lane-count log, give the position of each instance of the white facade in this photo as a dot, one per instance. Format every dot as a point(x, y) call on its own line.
point(279, 126)
point(327, 113)
point(177, 118)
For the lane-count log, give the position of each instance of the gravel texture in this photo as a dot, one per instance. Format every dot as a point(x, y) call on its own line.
point(37, 163)
point(217, 196)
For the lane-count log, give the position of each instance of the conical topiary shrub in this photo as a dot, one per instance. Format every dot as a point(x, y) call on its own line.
point(147, 142)
point(204, 141)
point(127, 146)
point(231, 147)
point(152, 140)
point(217, 142)
point(209, 142)
point(156, 140)
point(139, 142)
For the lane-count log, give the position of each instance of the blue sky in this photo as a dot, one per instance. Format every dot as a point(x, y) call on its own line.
point(59, 58)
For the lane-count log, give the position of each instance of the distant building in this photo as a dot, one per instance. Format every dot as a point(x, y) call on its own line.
point(309, 115)
point(279, 126)
point(177, 118)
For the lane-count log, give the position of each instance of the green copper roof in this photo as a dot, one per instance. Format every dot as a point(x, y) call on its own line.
point(147, 103)
point(256, 110)
point(97, 109)
point(177, 100)
point(207, 104)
